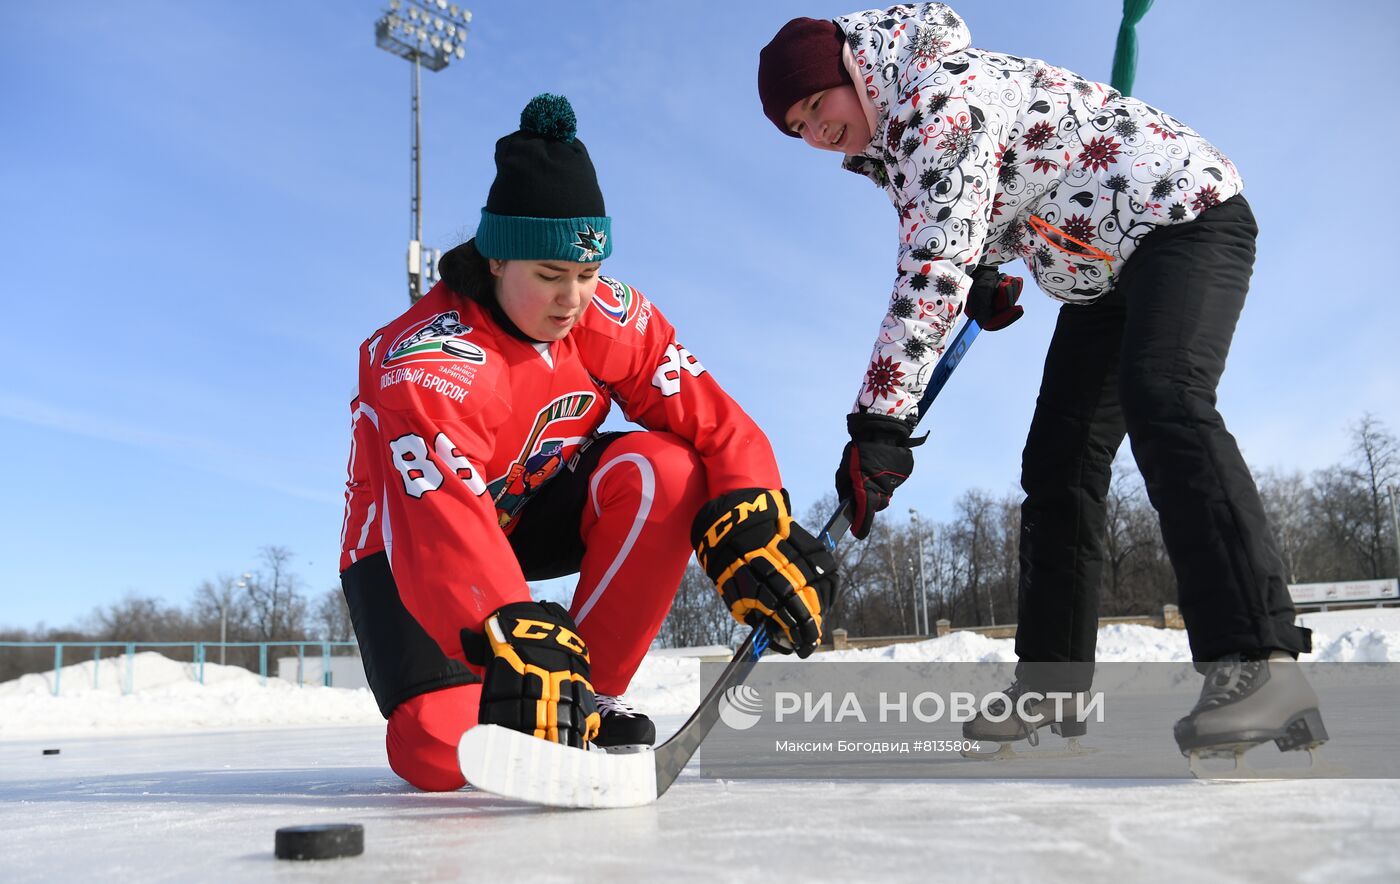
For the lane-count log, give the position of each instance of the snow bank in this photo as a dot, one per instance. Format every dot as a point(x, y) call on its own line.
point(166, 695)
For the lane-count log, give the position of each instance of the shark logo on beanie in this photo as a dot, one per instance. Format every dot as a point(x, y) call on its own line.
point(590, 243)
point(545, 204)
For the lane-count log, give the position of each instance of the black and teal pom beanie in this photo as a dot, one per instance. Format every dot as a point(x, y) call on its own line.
point(545, 204)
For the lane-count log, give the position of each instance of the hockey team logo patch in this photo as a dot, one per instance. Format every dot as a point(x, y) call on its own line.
point(440, 339)
point(590, 243)
point(617, 301)
point(741, 707)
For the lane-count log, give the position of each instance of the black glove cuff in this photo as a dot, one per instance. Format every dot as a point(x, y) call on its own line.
point(878, 428)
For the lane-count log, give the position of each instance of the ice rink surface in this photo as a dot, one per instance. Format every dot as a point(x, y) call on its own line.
point(206, 805)
point(132, 798)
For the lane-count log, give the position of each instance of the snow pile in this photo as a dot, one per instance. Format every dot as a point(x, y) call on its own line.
point(957, 647)
point(167, 696)
point(666, 684)
point(1363, 635)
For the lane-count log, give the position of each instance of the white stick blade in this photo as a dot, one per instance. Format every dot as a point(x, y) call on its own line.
point(516, 765)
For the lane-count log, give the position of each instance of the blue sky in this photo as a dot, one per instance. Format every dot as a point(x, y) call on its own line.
point(204, 210)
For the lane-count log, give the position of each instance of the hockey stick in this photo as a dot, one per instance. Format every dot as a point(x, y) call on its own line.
point(516, 765)
point(840, 521)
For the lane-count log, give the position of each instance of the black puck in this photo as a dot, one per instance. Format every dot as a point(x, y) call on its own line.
point(326, 841)
point(50, 751)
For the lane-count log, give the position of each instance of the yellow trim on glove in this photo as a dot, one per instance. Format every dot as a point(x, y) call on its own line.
point(551, 683)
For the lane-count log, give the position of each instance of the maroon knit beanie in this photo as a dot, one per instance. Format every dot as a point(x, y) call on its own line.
point(804, 57)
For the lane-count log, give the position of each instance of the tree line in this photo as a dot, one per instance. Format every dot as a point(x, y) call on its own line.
point(267, 604)
point(1333, 524)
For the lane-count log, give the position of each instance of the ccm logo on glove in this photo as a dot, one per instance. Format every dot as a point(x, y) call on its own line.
point(538, 629)
point(768, 568)
point(725, 523)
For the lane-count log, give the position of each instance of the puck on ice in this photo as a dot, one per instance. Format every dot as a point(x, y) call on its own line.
point(326, 841)
point(50, 751)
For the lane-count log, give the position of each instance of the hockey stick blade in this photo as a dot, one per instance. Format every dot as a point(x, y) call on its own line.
point(526, 768)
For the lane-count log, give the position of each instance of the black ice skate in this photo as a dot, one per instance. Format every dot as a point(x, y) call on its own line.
point(1062, 719)
point(1247, 702)
point(623, 729)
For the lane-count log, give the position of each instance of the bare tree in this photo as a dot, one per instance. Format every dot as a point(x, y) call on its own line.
point(332, 617)
point(221, 611)
point(975, 533)
point(276, 605)
point(1289, 505)
point(1375, 464)
point(698, 615)
point(138, 618)
point(1137, 576)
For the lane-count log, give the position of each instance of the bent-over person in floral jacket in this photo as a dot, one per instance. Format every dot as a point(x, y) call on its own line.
point(1138, 224)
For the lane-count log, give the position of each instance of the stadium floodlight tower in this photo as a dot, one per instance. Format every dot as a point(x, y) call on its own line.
point(429, 33)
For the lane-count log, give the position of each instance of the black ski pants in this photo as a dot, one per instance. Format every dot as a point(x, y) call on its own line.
point(1145, 360)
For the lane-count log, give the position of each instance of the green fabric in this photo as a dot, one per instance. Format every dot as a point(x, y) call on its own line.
point(1125, 55)
point(518, 238)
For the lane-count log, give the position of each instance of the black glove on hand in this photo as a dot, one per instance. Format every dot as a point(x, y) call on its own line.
point(991, 301)
point(537, 674)
point(874, 463)
point(765, 565)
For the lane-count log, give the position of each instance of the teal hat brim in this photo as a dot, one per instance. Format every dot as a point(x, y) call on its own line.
point(517, 238)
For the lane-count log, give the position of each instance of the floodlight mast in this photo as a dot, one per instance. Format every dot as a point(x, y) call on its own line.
point(429, 33)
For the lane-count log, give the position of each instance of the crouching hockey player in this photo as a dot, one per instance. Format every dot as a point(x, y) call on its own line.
point(476, 465)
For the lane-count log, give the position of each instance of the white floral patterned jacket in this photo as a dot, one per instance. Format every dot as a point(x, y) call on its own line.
point(989, 158)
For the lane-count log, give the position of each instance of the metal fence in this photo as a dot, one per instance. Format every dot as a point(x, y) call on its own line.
point(198, 650)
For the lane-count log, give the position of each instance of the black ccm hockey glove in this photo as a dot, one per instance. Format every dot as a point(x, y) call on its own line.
point(765, 565)
point(874, 463)
point(537, 673)
point(991, 301)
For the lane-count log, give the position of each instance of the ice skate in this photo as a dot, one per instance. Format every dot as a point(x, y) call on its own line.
point(1040, 713)
point(622, 729)
point(1245, 703)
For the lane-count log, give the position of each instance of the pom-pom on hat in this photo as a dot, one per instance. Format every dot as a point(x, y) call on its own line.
point(545, 204)
point(803, 58)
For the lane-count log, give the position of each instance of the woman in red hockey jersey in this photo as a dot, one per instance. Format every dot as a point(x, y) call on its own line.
point(476, 465)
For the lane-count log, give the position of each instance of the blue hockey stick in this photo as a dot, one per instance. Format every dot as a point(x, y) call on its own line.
point(840, 520)
point(675, 753)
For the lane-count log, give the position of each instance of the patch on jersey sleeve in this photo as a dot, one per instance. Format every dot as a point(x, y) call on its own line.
point(618, 301)
point(433, 368)
point(439, 339)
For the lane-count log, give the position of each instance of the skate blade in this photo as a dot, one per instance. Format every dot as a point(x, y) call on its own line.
point(1207, 765)
point(1072, 749)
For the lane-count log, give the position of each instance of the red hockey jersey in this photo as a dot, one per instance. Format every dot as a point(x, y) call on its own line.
point(457, 423)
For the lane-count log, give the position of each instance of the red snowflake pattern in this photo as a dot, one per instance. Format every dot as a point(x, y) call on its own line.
point(1079, 227)
point(1038, 136)
point(883, 376)
point(1205, 198)
point(1099, 153)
